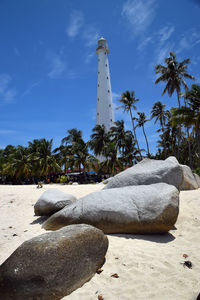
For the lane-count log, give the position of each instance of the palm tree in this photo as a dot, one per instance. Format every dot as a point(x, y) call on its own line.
point(74, 136)
point(193, 96)
point(118, 135)
point(190, 115)
point(43, 158)
point(173, 74)
point(182, 116)
point(83, 157)
point(128, 101)
point(99, 139)
point(112, 163)
point(160, 114)
point(130, 155)
point(19, 163)
point(65, 157)
point(141, 121)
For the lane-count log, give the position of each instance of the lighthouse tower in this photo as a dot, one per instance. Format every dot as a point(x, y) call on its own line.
point(105, 115)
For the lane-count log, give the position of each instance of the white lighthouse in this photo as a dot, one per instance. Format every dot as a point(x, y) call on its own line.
point(105, 115)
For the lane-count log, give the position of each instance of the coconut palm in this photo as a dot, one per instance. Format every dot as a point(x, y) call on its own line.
point(192, 96)
point(99, 139)
point(128, 101)
point(65, 157)
point(19, 164)
point(140, 123)
point(74, 136)
point(130, 155)
point(173, 74)
point(43, 157)
point(83, 157)
point(188, 116)
point(118, 135)
point(112, 163)
point(160, 114)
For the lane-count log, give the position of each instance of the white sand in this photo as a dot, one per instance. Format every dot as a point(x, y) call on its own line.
point(149, 266)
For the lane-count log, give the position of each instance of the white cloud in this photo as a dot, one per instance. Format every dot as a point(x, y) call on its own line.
point(139, 14)
point(190, 39)
point(115, 96)
point(7, 131)
point(162, 52)
point(32, 86)
point(91, 36)
point(165, 33)
point(7, 93)
point(158, 38)
point(89, 58)
point(144, 42)
point(57, 65)
point(5, 80)
point(75, 23)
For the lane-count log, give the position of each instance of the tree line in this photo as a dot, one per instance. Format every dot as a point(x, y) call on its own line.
point(113, 151)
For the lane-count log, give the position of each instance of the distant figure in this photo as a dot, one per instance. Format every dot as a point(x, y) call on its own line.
point(39, 185)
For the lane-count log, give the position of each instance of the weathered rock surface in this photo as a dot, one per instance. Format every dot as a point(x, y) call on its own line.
point(135, 209)
point(189, 181)
point(197, 177)
point(53, 264)
point(51, 201)
point(149, 171)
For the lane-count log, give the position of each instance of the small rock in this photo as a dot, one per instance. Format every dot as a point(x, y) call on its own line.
point(115, 275)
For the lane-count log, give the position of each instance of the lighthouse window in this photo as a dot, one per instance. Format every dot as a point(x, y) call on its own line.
point(98, 59)
point(109, 105)
point(105, 53)
point(97, 114)
point(106, 65)
point(107, 77)
point(98, 84)
point(98, 99)
point(111, 120)
point(108, 91)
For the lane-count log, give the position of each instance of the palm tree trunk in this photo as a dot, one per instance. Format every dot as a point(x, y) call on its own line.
point(179, 129)
point(198, 138)
point(146, 141)
point(164, 141)
point(135, 134)
point(189, 149)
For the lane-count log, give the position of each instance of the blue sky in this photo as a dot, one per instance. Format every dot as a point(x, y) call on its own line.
point(48, 61)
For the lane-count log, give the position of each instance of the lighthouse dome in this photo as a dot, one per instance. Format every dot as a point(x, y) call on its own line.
point(102, 45)
point(102, 42)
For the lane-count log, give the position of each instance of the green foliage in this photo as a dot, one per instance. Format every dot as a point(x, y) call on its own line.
point(197, 171)
point(62, 179)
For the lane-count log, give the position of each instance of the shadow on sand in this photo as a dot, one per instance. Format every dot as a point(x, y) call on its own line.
point(40, 220)
point(156, 238)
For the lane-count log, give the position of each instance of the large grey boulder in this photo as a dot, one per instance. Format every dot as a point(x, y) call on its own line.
point(51, 201)
point(189, 181)
point(197, 177)
point(136, 209)
point(149, 171)
point(53, 264)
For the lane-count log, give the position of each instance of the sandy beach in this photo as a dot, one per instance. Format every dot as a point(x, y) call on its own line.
point(149, 266)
